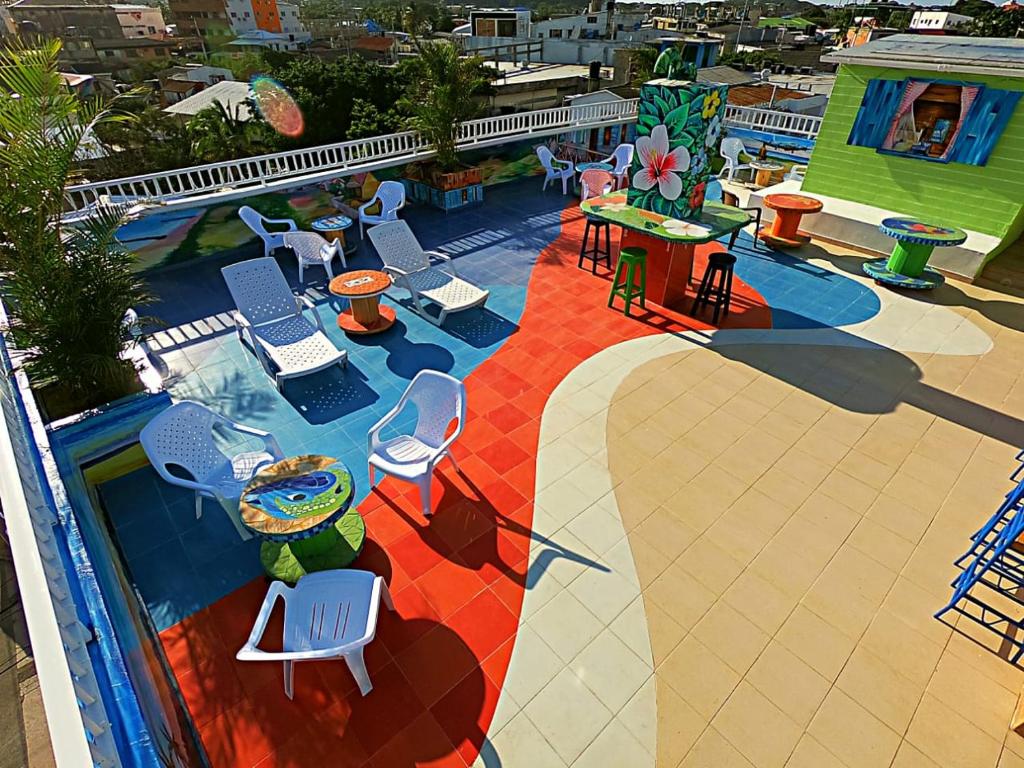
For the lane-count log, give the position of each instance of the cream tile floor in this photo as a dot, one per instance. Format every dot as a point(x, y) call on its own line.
point(739, 545)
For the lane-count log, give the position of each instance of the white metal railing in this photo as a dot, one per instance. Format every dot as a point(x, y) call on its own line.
point(76, 718)
point(773, 121)
point(232, 179)
point(201, 185)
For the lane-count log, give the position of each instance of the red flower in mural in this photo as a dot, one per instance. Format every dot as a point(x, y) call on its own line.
point(697, 195)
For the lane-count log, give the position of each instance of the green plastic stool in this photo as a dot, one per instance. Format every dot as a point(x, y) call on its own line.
point(629, 259)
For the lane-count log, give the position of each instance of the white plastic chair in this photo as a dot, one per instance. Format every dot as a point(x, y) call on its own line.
point(183, 438)
point(796, 173)
point(311, 249)
point(731, 150)
point(410, 266)
point(621, 158)
point(257, 222)
point(552, 171)
point(440, 399)
point(391, 196)
point(270, 317)
point(327, 615)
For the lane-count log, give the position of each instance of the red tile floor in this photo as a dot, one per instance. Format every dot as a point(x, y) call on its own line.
point(457, 578)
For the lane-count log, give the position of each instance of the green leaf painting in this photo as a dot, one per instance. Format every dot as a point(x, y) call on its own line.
point(678, 130)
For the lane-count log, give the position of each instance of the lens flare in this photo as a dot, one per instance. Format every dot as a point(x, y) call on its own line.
point(277, 106)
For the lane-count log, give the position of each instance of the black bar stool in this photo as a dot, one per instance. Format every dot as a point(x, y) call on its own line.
point(596, 253)
point(721, 265)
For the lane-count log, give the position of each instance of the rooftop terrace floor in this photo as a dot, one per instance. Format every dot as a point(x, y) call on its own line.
point(670, 544)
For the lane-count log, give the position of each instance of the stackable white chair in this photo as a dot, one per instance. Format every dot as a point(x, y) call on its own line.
point(257, 222)
point(271, 319)
point(621, 158)
point(555, 168)
point(183, 438)
point(312, 250)
point(327, 615)
point(732, 149)
point(391, 196)
point(410, 266)
point(796, 173)
point(440, 400)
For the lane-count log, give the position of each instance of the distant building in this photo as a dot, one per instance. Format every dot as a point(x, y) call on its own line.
point(938, 22)
point(255, 24)
point(208, 18)
point(108, 21)
point(233, 95)
point(500, 23)
point(178, 83)
point(126, 53)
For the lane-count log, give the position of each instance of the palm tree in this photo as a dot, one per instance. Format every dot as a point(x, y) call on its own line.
point(448, 92)
point(222, 133)
point(69, 285)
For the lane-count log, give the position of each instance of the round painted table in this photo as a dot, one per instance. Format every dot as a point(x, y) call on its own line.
point(789, 209)
point(595, 167)
point(915, 240)
point(300, 508)
point(362, 288)
point(764, 170)
point(334, 226)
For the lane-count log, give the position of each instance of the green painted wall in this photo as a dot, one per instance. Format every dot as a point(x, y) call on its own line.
point(988, 198)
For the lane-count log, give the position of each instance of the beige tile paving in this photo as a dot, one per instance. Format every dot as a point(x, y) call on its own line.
point(794, 532)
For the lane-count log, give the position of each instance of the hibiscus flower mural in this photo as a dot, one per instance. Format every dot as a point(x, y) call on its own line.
point(678, 126)
point(660, 165)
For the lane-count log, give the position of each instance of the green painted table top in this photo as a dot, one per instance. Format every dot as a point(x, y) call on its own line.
point(716, 219)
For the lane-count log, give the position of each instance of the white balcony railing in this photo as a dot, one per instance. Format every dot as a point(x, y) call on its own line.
point(773, 121)
point(218, 182)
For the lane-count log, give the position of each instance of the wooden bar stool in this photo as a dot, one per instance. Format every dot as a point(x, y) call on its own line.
point(595, 253)
point(721, 265)
point(631, 261)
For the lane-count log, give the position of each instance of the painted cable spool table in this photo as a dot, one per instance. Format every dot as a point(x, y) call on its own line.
point(785, 229)
point(334, 226)
point(363, 289)
point(669, 242)
point(907, 266)
point(302, 509)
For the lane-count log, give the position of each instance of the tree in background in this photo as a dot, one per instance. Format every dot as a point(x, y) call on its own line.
point(971, 7)
point(641, 65)
point(221, 133)
point(151, 141)
point(998, 22)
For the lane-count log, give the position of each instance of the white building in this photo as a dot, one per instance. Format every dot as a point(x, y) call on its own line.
point(602, 21)
point(499, 23)
point(937, 22)
point(140, 21)
point(274, 25)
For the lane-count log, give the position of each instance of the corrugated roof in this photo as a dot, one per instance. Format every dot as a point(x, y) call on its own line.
point(229, 93)
point(935, 51)
point(755, 95)
point(724, 75)
point(375, 43)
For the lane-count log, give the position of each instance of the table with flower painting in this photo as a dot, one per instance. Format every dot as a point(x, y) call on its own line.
point(669, 242)
point(789, 209)
point(907, 266)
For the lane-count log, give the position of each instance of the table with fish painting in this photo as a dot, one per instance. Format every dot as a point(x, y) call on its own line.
point(907, 266)
point(669, 242)
point(302, 509)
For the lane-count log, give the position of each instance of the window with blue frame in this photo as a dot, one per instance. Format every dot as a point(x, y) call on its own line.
point(936, 120)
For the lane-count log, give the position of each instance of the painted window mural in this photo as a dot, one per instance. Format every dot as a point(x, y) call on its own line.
point(937, 120)
point(678, 129)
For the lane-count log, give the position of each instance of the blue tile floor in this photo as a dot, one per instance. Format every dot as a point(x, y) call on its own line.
point(181, 564)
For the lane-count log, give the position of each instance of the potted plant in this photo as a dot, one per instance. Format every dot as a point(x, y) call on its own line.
point(448, 92)
point(69, 286)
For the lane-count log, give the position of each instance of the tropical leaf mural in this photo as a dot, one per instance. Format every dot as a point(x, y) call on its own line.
point(678, 131)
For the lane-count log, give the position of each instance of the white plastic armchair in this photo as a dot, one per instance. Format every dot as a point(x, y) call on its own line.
point(555, 168)
point(257, 222)
point(731, 150)
point(440, 400)
point(181, 445)
point(621, 158)
point(327, 615)
point(795, 173)
point(271, 320)
point(413, 269)
point(391, 196)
